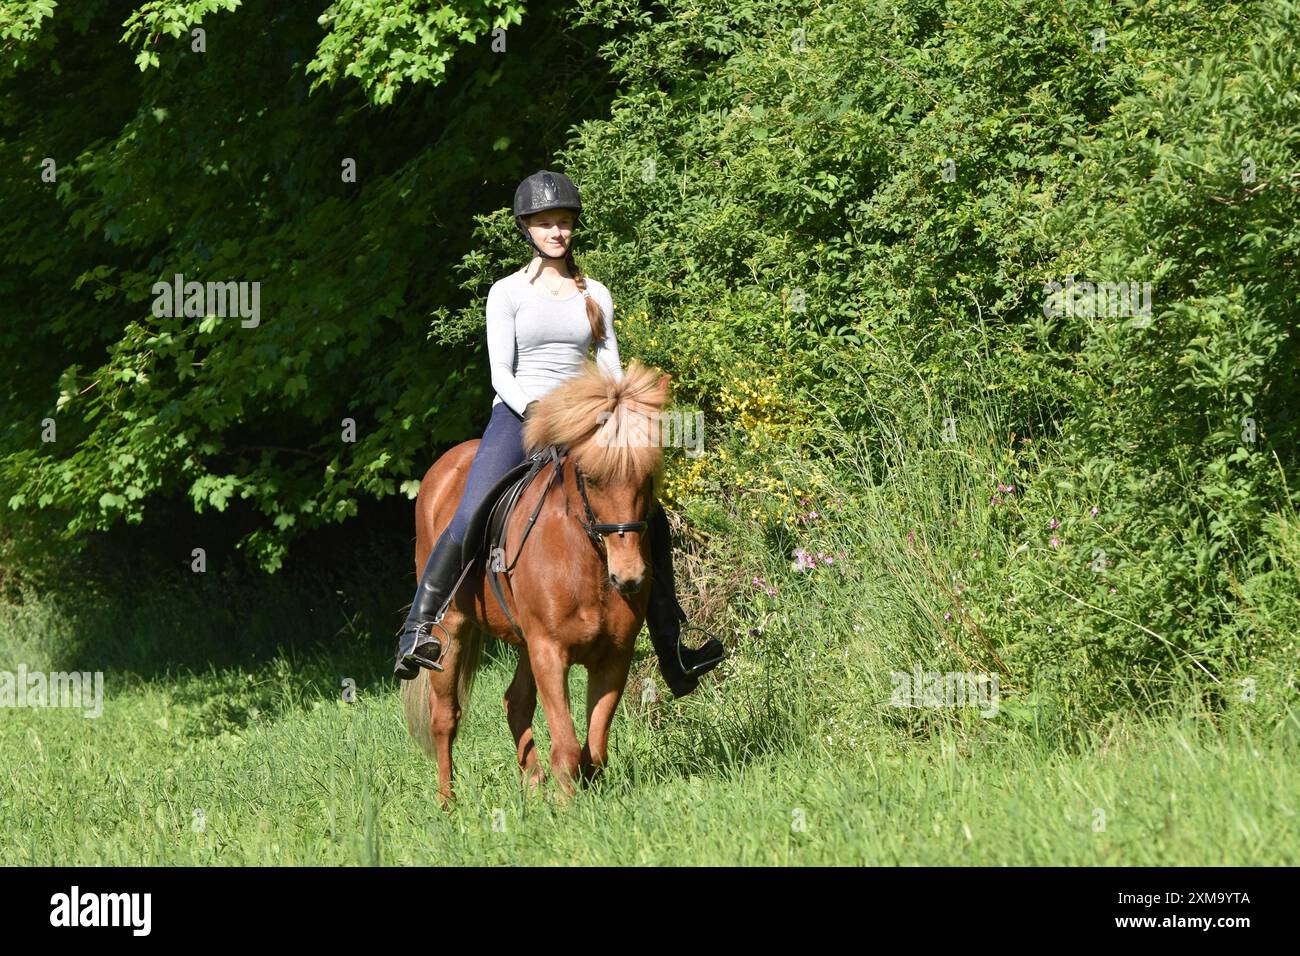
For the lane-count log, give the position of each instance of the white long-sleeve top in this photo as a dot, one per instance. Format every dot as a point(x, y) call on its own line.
point(535, 342)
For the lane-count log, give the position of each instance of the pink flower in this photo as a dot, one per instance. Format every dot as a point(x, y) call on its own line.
point(1053, 524)
point(1094, 511)
point(803, 561)
point(947, 615)
point(909, 537)
point(771, 592)
point(1056, 542)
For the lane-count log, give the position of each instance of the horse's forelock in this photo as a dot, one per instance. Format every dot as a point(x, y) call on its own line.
point(595, 415)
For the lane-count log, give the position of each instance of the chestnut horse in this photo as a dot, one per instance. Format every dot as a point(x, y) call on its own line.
point(577, 601)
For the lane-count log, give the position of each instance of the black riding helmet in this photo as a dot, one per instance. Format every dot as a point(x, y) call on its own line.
point(544, 190)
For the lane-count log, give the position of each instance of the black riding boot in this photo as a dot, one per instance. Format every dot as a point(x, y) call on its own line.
point(416, 645)
point(681, 666)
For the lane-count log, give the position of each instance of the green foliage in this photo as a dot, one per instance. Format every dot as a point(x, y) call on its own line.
point(20, 30)
point(834, 224)
point(223, 166)
point(386, 45)
point(165, 18)
point(1182, 430)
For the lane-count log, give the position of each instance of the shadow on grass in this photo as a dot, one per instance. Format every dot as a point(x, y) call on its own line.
point(226, 648)
point(228, 645)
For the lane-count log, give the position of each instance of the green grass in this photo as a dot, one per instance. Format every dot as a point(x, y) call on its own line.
point(333, 783)
point(283, 771)
point(223, 707)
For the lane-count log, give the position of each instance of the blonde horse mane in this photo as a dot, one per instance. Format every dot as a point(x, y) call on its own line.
point(609, 426)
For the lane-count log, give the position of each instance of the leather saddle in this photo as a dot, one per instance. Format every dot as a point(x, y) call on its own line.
point(487, 525)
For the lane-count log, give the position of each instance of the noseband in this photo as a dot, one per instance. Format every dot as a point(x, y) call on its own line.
point(594, 528)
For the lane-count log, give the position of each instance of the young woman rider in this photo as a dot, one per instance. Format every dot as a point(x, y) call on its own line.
point(541, 322)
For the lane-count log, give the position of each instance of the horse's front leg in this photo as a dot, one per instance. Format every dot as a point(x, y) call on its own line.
point(550, 664)
point(606, 681)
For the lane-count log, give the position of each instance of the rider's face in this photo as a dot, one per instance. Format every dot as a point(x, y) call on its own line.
point(552, 230)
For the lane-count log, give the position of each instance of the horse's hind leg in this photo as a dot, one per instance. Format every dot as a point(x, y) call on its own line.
point(444, 718)
point(521, 705)
point(605, 683)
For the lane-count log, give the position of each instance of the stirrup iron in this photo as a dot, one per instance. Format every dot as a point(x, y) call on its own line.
point(427, 627)
point(700, 667)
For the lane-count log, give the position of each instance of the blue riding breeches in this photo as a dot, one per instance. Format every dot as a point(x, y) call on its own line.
point(500, 449)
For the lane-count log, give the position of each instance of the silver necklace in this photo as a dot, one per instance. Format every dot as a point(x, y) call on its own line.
point(557, 289)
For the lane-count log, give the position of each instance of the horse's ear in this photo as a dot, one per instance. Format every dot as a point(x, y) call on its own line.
point(665, 382)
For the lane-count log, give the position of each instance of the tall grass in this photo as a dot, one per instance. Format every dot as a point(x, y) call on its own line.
point(226, 739)
point(323, 781)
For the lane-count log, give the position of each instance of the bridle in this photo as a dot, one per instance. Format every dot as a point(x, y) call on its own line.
point(595, 530)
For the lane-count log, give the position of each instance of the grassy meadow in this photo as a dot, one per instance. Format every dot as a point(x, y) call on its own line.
point(226, 737)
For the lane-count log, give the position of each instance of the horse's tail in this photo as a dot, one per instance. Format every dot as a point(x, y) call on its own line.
point(416, 693)
point(468, 657)
point(419, 716)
